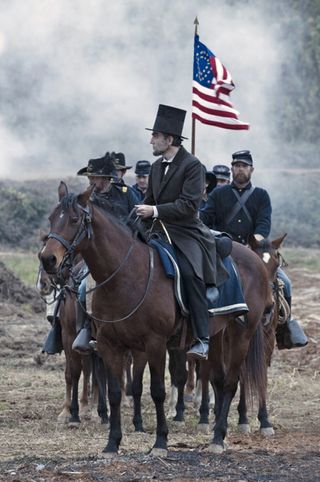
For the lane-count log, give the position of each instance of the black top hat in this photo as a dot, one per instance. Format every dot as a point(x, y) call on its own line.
point(119, 161)
point(142, 168)
point(221, 171)
point(101, 167)
point(242, 156)
point(169, 120)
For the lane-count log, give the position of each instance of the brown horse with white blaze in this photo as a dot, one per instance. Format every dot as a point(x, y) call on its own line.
point(134, 307)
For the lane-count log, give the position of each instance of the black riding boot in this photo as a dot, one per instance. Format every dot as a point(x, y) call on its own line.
point(53, 342)
point(81, 342)
point(290, 334)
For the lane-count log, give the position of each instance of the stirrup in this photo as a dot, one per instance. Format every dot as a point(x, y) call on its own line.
point(199, 351)
point(81, 342)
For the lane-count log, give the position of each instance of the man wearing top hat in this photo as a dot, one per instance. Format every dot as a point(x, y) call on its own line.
point(241, 209)
point(115, 199)
point(142, 172)
point(174, 194)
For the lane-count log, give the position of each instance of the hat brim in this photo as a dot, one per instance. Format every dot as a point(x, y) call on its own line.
point(121, 168)
point(163, 132)
point(220, 176)
point(84, 172)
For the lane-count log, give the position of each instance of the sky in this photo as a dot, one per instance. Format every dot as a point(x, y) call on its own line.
point(79, 78)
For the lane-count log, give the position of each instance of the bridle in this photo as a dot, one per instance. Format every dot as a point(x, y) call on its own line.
point(85, 231)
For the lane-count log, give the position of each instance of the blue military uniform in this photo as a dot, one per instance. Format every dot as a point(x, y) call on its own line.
point(119, 200)
point(220, 204)
point(254, 217)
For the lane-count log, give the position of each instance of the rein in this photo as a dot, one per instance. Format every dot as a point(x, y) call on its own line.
point(150, 276)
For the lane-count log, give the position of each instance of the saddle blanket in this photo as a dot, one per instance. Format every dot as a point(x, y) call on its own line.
point(231, 299)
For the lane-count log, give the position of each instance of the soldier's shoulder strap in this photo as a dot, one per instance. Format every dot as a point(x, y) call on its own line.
point(240, 204)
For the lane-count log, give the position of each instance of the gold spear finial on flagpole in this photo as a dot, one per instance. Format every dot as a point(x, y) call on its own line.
point(193, 124)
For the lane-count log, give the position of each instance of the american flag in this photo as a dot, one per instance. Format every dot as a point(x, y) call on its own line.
point(212, 84)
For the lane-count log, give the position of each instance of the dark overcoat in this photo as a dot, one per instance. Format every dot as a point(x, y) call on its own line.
point(177, 197)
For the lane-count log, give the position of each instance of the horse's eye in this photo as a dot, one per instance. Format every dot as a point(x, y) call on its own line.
point(74, 219)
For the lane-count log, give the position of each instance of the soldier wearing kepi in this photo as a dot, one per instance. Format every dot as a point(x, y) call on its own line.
point(142, 172)
point(115, 199)
point(241, 209)
point(219, 176)
point(174, 194)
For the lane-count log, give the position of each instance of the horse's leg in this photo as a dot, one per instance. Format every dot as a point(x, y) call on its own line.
point(76, 368)
point(139, 363)
point(64, 415)
point(99, 379)
point(128, 358)
point(156, 353)
point(177, 367)
point(203, 424)
point(243, 422)
point(188, 397)
point(85, 410)
point(173, 395)
point(114, 363)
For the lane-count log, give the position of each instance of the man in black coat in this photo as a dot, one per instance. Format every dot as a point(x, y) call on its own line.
point(241, 209)
point(174, 194)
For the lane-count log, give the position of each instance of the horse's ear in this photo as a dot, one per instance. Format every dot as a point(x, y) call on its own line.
point(84, 197)
point(62, 190)
point(253, 243)
point(276, 243)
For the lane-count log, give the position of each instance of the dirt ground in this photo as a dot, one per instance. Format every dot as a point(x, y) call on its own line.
point(34, 447)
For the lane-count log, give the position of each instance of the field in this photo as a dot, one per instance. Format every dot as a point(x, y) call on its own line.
point(34, 447)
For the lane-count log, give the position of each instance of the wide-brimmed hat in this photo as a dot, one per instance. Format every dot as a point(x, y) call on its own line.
point(142, 168)
point(100, 167)
point(221, 172)
point(242, 156)
point(169, 120)
point(119, 161)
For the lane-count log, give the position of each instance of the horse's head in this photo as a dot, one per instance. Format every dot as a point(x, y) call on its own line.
point(69, 226)
point(268, 251)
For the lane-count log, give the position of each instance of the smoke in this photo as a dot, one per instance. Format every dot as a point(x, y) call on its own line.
point(80, 78)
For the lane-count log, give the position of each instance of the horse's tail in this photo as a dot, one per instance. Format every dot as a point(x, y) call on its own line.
point(254, 370)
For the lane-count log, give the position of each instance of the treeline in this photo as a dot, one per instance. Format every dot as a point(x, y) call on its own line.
point(25, 206)
point(296, 104)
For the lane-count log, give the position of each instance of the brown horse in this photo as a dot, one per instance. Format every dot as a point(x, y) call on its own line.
point(268, 251)
point(134, 307)
point(65, 294)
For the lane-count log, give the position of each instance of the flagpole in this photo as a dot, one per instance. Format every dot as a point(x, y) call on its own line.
point(193, 131)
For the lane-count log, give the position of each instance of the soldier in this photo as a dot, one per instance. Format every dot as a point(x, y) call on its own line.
point(219, 176)
point(115, 199)
point(142, 172)
point(120, 166)
point(174, 194)
point(241, 209)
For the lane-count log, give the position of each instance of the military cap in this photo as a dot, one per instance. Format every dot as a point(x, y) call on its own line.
point(119, 161)
point(142, 168)
point(221, 172)
point(242, 156)
point(100, 167)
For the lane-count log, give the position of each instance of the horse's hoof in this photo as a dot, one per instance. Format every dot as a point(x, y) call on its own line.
point(157, 452)
point(178, 424)
point(188, 397)
point(73, 424)
point(244, 428)
point(216, 449)
point(267, 431)
point(171, 414)
point(203, 428)
point(109, 455)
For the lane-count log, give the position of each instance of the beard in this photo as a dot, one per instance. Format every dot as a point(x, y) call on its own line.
point(242, 178)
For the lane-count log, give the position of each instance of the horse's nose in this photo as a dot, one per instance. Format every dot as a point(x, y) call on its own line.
point(49, 263)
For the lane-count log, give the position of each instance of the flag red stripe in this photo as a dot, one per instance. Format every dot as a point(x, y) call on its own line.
point(220, 113)
point(209, 98)
point(221, 124)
